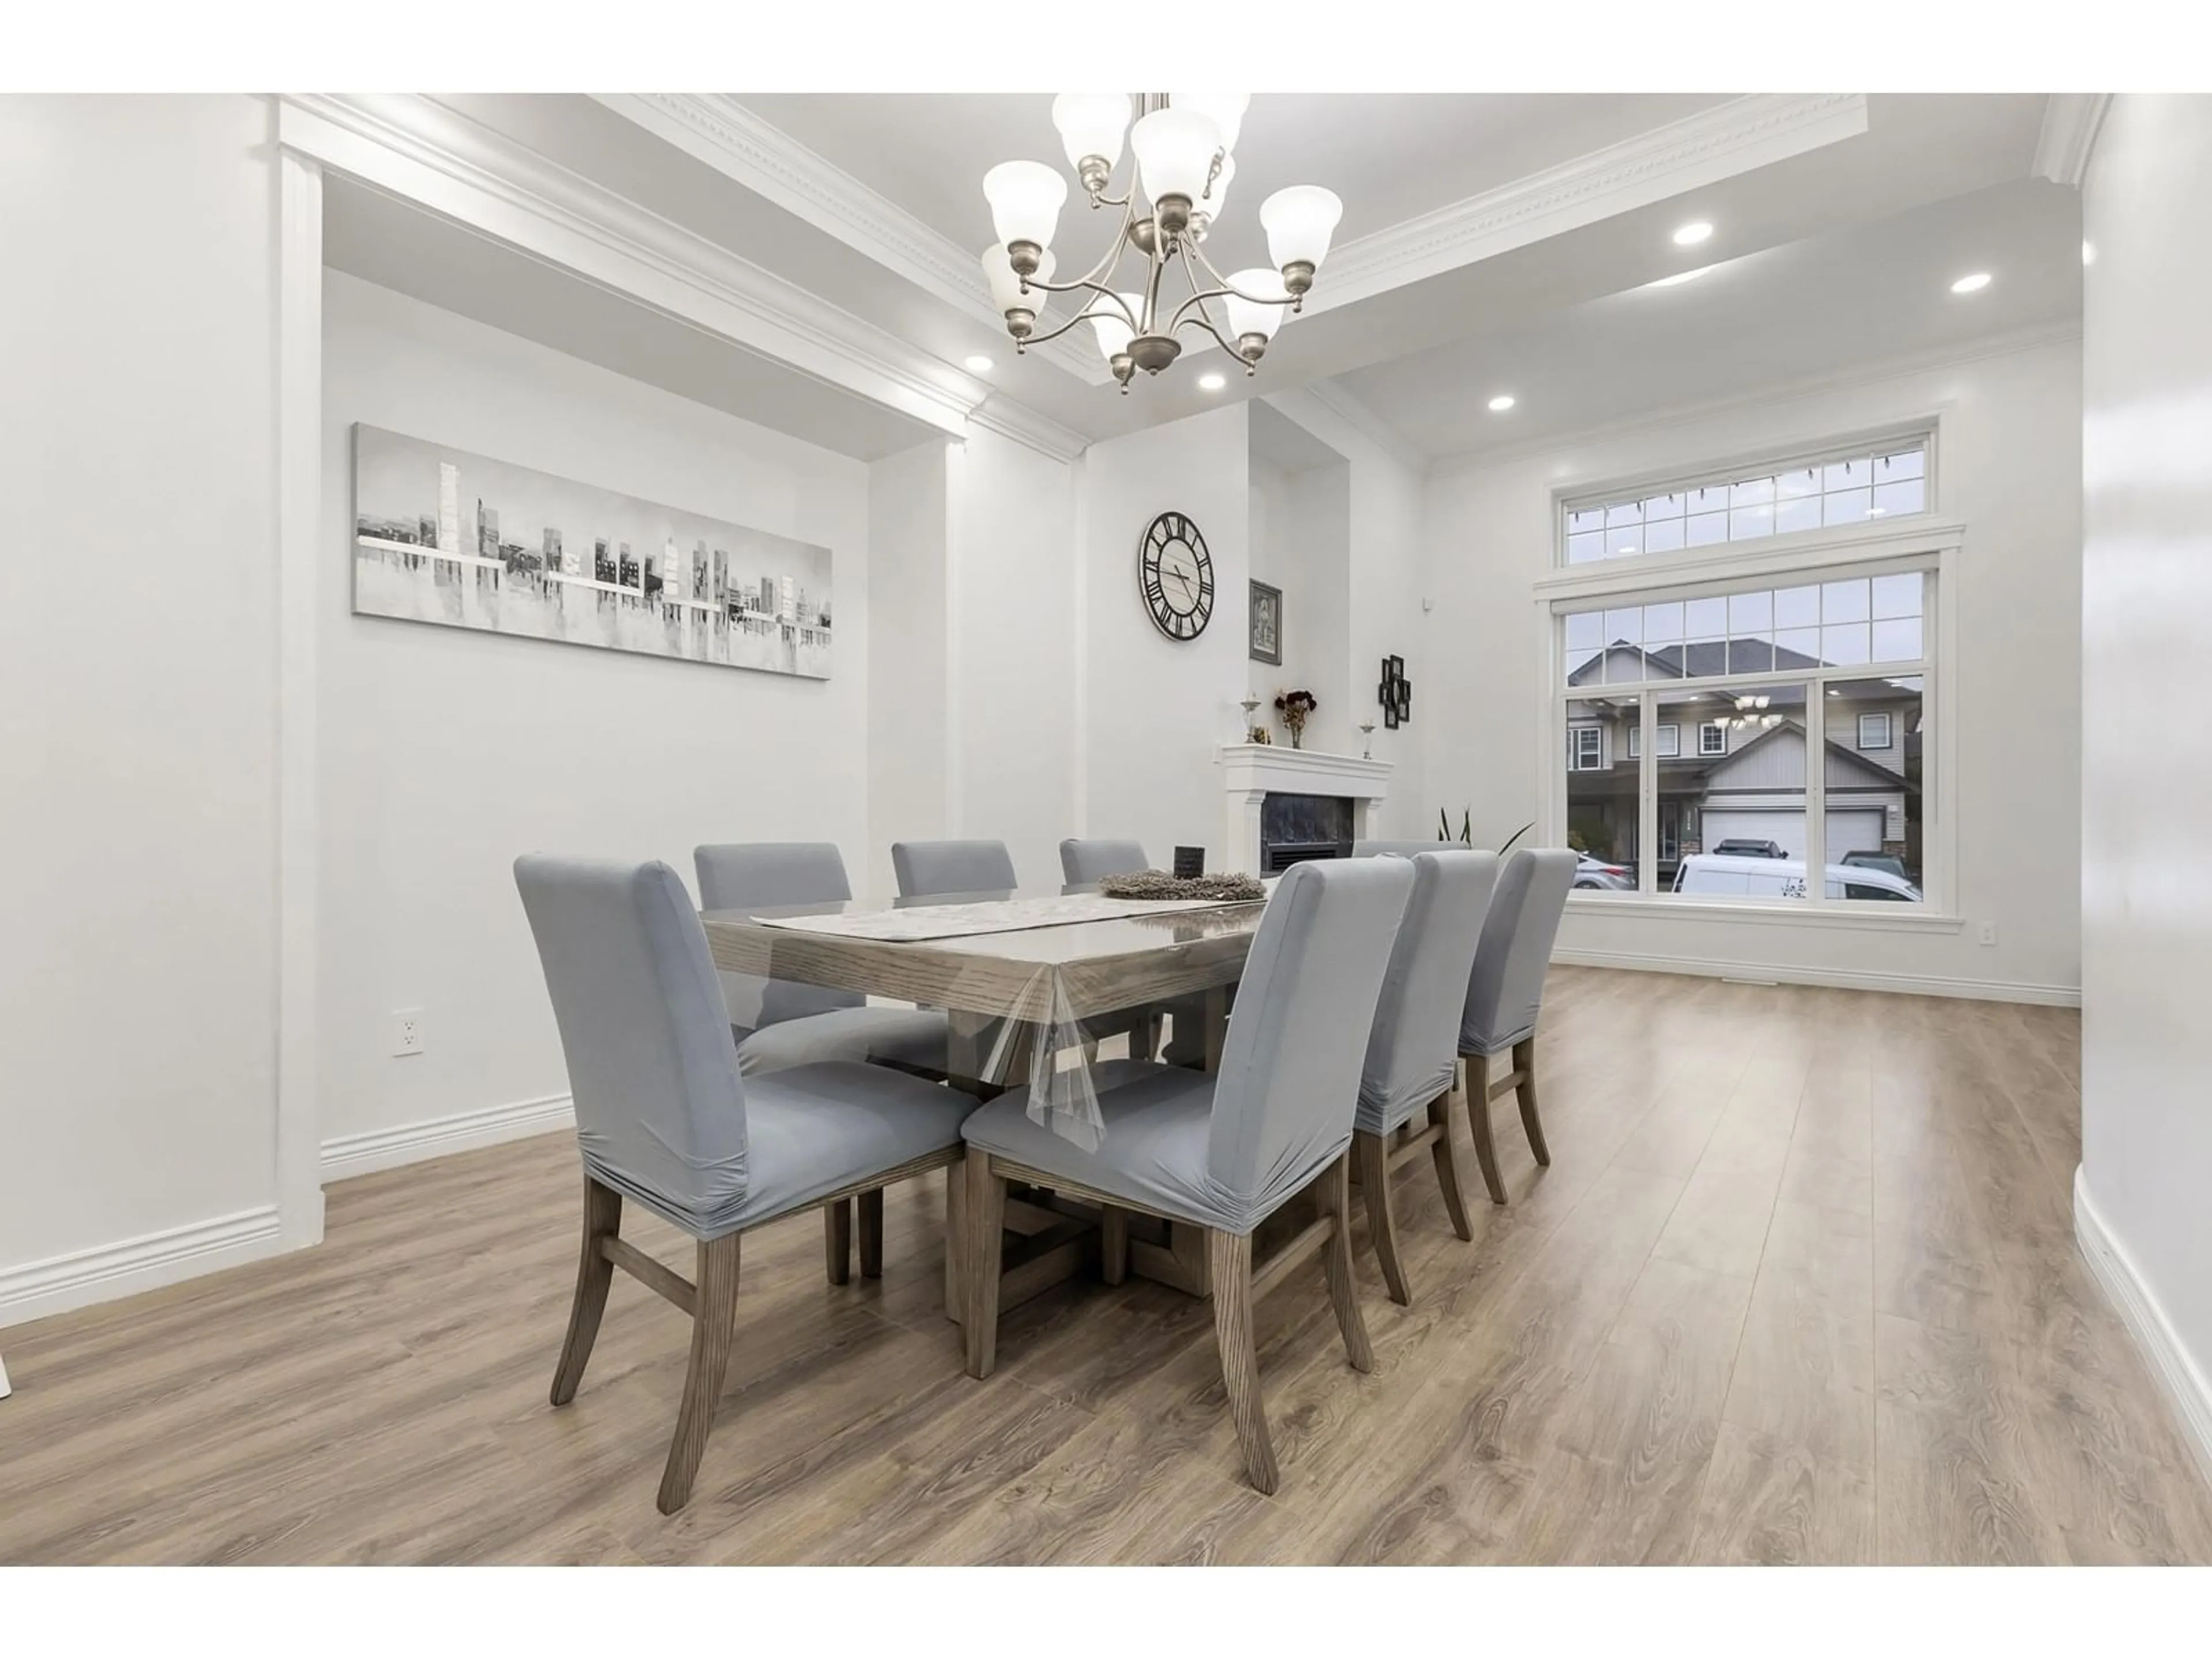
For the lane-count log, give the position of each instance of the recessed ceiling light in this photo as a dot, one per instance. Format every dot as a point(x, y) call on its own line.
point(1501, 402)
point(1211, 382)
point(1973, 284)
point(1679, 278)
point(2088, 255)
point(1693, 234)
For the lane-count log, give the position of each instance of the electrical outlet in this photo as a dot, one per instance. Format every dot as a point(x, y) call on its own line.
point(1989, 933)
point(409, 1033)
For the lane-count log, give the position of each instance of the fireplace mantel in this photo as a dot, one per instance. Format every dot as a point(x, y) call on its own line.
point(1251, 772)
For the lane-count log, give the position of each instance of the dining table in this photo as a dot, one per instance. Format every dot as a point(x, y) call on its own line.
point(1035, 986)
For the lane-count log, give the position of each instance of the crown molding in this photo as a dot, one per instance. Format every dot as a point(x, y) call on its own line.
point(1734, 138)
point(2071, 121)
point(417, 150)
point(1339, 403)
point(716, 128)
point(1789, 392)
point(1025, 425)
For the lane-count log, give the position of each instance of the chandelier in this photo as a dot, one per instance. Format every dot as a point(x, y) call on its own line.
point(1184, 145)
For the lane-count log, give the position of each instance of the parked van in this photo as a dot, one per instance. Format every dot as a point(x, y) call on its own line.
point(1714, 873)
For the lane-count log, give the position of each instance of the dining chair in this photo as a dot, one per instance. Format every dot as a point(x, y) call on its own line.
point(798, 1025)
point(1505, 994)
point(1404, 849)
point(1085, 863)
point(1223, 1153)
point(1413, 1053)
point(665, 1119)
point(927, 868)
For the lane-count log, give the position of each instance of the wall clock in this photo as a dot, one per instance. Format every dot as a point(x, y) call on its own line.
point(1177, 573)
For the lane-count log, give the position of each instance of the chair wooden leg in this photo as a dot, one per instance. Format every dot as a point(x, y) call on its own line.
point(714, 1318)
point(1524, 1061)
point(1477, 1120)
point(1373, 1153)
point(1113, 1244)
point(1228, 1259)
point(984, 1252)
point(871, 1233)
point(1447, 1161)
point(837, 1240)
point(956, 1238)
point(594, 1273)
point(1335, 1190)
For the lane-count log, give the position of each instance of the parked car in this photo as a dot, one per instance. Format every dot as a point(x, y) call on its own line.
point(1594, 874)
point(1889, 861)
point(1720, 875)
point(1749, 849)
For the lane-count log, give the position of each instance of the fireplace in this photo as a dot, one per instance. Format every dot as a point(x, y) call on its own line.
point(1296, 828)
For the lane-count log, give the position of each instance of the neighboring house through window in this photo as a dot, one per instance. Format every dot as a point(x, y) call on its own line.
point(1712, 738)
point(1874, 731)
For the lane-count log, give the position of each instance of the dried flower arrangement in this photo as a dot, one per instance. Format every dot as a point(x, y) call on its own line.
point(1295, 708)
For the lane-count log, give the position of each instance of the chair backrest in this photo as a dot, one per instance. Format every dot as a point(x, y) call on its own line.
point(661, 1111)
point(1290, 1069)
point(764, 875)
point(1506, 990)
point(928, 867)
point(1082, 862)
point(1414, 1047)
point(1404, 849)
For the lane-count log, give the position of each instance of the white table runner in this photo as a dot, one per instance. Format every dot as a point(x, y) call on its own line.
point(917, 922)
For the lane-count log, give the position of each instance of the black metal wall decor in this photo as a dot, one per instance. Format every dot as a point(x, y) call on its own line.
point(1395, 693)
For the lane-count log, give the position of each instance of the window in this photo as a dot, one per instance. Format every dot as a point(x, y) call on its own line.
point(1807, 778)
point(1853, 488)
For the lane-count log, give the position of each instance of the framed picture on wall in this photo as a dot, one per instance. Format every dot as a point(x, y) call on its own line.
point(1267, 624)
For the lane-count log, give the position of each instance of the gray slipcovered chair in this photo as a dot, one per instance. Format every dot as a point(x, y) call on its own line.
point(1086, 863)
point(1505, 994)
point(798, 1024)
point(1413, 1053)
point(1223, 1153)
point(665, 1120)
point(1404, 849)
point(926, 868)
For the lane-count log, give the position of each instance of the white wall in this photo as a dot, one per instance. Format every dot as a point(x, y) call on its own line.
point(138, 673)
point(2147, 589)
point(1153, 711)
point(2009, 462)
point(908, 669)
point(445, 752)
point(1301, 536)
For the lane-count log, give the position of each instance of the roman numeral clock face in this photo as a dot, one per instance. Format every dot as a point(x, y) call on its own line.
point(1177, 573)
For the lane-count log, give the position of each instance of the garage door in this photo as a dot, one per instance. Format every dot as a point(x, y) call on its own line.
point(1851, 830)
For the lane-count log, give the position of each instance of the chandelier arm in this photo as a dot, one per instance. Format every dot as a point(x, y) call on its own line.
point(1224, 286)
point(1206, 323)
point(1113, 258)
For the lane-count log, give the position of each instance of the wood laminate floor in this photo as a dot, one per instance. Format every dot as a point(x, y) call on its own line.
point(1800, 1286)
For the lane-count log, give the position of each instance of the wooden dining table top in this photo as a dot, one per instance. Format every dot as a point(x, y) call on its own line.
point(1037, 973)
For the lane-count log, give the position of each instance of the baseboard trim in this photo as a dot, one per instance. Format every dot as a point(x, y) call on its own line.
point(1842, 979)
point(146, 1263)
point(387, 1149)
point(2112, 1268)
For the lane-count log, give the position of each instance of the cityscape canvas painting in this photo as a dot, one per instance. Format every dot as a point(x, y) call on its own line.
point(442, 536)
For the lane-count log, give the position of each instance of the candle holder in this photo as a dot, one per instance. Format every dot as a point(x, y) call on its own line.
point(1249, 705)
point(1367, 736)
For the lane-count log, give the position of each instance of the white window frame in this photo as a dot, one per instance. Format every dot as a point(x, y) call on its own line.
point(1636, 742)
point(1888, 730)
point(1669, 729)
point(1920, 542)
point(1576, 730)
point(1717, 728)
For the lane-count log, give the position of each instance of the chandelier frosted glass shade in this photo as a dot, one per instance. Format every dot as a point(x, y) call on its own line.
point(1299, 222)
point(1264, 315)
point(1113, 329)
point(1175, 150)
point(1225, 109)
point(1091, 124)
point(1006, 290)
point(1026, 199)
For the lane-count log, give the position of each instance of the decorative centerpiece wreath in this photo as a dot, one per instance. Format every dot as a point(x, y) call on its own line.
point(1159, 884)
